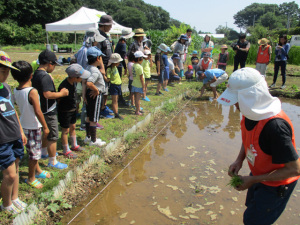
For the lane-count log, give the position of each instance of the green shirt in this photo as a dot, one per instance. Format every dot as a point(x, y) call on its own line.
point(146, 68)
point(137, 71)
point(113, 74)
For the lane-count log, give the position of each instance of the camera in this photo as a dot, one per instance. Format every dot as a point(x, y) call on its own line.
point(234, 46)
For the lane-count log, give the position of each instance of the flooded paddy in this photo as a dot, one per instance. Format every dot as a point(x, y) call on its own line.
point(181, 176)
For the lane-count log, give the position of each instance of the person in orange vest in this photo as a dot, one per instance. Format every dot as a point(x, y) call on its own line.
point(268, 145)
point(204, 64)
point(263, 56)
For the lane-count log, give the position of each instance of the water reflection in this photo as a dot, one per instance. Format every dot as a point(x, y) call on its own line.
point(179, 127)
point(233, 124)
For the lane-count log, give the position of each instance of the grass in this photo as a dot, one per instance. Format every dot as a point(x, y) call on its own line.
point(37, 47)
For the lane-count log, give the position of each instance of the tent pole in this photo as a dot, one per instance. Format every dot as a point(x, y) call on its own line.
point(75, 42)
point(47, 37)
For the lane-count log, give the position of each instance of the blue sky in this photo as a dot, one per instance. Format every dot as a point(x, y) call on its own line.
point(206, 15)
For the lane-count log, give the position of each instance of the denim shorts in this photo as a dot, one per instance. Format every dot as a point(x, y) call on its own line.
point(135, 89)
point(9, 152)
point(115, 89)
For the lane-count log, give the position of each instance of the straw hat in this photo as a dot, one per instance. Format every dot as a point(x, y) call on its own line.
point(114, 58)
point(139, 32)
point(263, 41)
point(224, 46)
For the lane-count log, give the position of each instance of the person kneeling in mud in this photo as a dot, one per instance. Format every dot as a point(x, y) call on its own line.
point(212, 78)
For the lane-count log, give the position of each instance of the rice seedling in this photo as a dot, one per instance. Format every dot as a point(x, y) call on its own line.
point(235, 181)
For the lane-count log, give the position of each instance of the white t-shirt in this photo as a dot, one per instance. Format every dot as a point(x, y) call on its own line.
point(171, 64)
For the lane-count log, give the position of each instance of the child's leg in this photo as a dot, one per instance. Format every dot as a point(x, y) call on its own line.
point(115, 103)
point(137, 97)
point(214, 90)
point(132, 98)
point(64, 139)
point(158, 88)
point(31, 172)
point(15, 190)
point(9, 177)
point(146, 85)
point(72, 134)
point(39, 170)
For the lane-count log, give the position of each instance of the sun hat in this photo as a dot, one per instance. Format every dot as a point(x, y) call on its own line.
point(94, 52)
point(127, 33)
point(184, 37)
point(147, 52)
point(139, 32)
point(6, 61)
point(114, 58)
point(92, 35)
point(195, 52)
point(47, 56)
point(263, 41)
point(224, 46)
point(175, 56)
point(139, 54)
point(247, 87)
point(145, 39)
point(106, 20)
point(190, 67)
point(164, 48)
point(76, 70)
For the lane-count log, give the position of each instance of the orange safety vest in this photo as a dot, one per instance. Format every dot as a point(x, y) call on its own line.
point(205, 65)
point(262, 161)
point(263, 56)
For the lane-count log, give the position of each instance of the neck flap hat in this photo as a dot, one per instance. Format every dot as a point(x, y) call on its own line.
point(247, 87)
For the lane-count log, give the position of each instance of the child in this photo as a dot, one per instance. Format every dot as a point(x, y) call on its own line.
point(195, 60)
point(44, 84)
point(205, 63)
point(93, 95)
point(223, 58)
point(66, 109)
point(189, 73)
point(32, 119)
point(264, 54)
point(114, 78)
point(162, 66)
point(147, 64)
point(179, 48)
point(11, 142)
point(130, 77)
point(138, 84)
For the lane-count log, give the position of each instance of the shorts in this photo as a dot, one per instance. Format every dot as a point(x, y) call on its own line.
point(34, 143)
point(93, 107)
point(9, 152)
point(115, 89)
point(147, 79)
point(220, 80)
point(52, 123)
point(161, 77)
point(166, 73)
point(130, 85)
point(137, 90)
point(65, 119)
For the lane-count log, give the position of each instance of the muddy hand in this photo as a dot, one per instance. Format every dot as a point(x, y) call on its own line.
point(234, 168)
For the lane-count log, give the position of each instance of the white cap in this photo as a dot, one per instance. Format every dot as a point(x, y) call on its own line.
point(147, 52)
point(247, 87)
point(139, 54)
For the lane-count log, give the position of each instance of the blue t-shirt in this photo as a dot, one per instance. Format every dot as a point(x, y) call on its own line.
point(165, 60)
point(210, 74)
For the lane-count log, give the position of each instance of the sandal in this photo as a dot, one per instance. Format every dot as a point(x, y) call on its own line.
point(34, 184)
point(78, 148)
point(138, 114)
point(70, 155)
point(42, 175)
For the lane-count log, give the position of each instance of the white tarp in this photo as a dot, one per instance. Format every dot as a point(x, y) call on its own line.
point(214, 35)
point(82, 20)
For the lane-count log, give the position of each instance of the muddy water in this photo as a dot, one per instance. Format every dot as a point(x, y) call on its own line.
point(180, 178)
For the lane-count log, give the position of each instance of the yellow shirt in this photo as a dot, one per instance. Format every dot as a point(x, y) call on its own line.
point(113, 74)
point(146, 68)
point(137, 71)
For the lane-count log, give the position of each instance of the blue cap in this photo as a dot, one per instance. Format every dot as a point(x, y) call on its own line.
point(94, 51)
point(195, 52)
point(175, 56)
point(184, 37)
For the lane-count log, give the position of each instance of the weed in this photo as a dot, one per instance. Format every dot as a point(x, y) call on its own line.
point(295, 87)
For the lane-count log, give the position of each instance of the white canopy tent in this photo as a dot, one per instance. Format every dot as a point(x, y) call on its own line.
point(81, 21)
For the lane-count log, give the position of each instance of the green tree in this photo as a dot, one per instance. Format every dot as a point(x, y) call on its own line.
point(291, 11)
point(230, 33)
point(131, 17)
point(270, 21)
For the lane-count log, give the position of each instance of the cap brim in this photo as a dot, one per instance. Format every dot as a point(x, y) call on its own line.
point(9, 66)
point(85, 75)
point(128, 36)
point(57, 63)
point(228, 97)
point(99, 38)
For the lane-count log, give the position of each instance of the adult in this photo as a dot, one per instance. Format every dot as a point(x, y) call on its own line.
point(105, 24)
point(264, 54)
point(281, 56)
point(205, 63)
point(241, 49)
point(137, 44)
point(207, 45)
point(188, 43)
point(148, 43)
point(173, 64)
point(212, 78)
point(268, 145)
point(180, 49)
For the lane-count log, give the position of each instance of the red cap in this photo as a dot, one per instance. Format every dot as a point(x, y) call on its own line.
point(190, 67)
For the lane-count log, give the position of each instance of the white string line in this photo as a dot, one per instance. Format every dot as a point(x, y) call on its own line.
point(128, 164)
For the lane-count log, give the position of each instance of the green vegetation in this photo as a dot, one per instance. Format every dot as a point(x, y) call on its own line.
point(235, 181)
point(294, 55)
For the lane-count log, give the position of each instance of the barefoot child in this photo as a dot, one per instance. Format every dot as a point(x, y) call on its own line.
point(32, 119)
point(66, 109)
point(138, 84)
point(115, 89)
point(147, 64)
point(11, 143)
